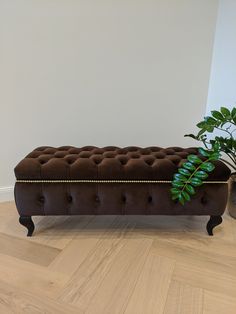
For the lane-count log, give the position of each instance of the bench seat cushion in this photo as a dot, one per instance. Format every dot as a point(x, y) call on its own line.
point(108, 163)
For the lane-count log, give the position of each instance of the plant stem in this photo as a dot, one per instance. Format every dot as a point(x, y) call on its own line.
point(223, 130)
point(188, 181)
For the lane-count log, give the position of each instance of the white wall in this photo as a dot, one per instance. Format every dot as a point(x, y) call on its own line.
point(222, 88)
point(127, 72)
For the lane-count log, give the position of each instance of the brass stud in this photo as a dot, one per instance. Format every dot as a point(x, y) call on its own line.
point(110, 181)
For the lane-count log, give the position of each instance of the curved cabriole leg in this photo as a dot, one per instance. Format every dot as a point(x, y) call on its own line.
point(212, 223)
point(27, 222)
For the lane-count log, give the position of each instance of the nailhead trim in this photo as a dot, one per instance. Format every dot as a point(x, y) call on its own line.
point(108, 181)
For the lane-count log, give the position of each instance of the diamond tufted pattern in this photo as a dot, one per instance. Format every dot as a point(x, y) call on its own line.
point(111, 163)
point(108, 163)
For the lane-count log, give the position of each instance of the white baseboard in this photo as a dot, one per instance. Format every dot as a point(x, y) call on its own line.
point(6, 193)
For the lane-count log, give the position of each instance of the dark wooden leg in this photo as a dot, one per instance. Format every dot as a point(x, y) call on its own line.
point(27, 222)
point(212, 223)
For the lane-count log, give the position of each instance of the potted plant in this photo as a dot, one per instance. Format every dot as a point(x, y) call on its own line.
point(218, 135)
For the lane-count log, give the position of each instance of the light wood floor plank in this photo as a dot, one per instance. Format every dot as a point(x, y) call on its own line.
point(23, 249)
point(151, 290)
point(216, 281)
point(17, 301)
point(54, 231)
point(203, 243)
point(196, 256)
point(87, 279)
point(215, 303)
point(184, 299)
point(123, 264)
point(80, 246)
point(31, 277)
point(184, 226)
point(58, 231)
point(114, 292)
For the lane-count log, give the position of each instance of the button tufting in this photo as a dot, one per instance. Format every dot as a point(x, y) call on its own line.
point(111, 163)
point(41, 199)
point(149, 161)
point(97, 161)
point(123, 161)
point(204, 199)
point(70, 161)
point(69, 197)
point(97, 199)
point(149, 199)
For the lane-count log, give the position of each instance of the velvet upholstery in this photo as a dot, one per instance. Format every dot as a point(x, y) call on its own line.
point(111, 163)
point(129, 163)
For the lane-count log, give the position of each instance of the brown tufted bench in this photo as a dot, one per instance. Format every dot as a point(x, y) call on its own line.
point(111, 180)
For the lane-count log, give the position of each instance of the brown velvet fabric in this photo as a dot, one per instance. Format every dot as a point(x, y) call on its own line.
point(111, 163)
point(114, 199)
point(152, 163)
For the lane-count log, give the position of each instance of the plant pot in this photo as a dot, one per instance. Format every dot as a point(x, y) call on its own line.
point(232, 196)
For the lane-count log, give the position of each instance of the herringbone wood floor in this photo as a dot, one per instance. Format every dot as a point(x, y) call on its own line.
point(109, 265)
